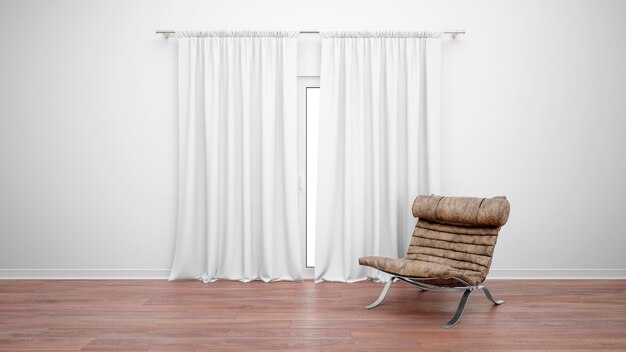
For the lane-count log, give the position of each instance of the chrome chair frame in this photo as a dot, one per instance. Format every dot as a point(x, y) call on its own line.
point(465, 287)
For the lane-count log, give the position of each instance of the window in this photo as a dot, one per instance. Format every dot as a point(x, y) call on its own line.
point(308, 122)
point(312, 125)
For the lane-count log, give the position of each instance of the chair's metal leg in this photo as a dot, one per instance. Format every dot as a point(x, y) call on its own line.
point(382, 294)
point(459, 311)
point(490, 297)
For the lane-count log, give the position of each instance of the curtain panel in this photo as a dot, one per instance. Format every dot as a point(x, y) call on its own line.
point(237, 204)
point(379, 146)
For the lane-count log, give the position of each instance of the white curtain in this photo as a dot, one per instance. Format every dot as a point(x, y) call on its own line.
point(237, 206)
point(379, 146)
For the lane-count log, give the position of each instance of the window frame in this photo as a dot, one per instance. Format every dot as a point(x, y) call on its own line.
point(304, 83)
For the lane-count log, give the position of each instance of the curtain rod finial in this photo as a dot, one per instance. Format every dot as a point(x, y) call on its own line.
point(166, 33)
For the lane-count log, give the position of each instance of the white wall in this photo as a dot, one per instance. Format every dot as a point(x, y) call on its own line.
point(533, 108)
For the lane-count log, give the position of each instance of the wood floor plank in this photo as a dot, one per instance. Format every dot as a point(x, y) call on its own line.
point(254, 345)
point(138, 323)
point(42, 344)
point(154, 315)
point(198, 332)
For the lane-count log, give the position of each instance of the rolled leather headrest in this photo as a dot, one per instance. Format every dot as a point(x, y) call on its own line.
point(467, 211)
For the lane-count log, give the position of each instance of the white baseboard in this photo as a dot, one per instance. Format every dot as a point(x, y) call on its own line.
point(163, 274)
point(84, 274)
point(556, 274)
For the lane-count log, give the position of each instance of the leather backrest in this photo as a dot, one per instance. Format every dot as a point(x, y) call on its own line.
point(467, 211)
point(458, 231)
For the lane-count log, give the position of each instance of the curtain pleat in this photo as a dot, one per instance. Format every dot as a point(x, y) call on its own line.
point(237, 206)
point(379, 146)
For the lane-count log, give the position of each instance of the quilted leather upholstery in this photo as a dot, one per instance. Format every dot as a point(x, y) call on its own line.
point(453, 237)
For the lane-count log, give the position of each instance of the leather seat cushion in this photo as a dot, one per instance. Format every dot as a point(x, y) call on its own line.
point(419, 269)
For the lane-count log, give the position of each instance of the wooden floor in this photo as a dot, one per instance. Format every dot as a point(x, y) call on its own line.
point(158, 315)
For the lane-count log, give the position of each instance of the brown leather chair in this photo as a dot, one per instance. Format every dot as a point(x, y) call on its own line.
point(451, 247)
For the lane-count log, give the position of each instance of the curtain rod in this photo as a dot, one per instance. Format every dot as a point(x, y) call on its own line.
point(166, 33)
